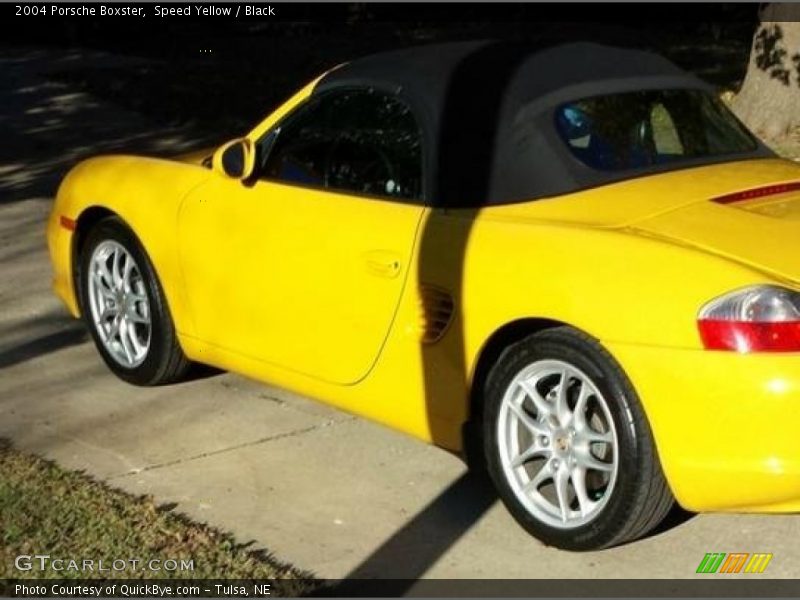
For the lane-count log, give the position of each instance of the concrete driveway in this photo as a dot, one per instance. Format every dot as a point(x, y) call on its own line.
point(323, 490)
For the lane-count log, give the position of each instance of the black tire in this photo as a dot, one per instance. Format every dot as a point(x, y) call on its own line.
point(640, 497)
point(164, 361)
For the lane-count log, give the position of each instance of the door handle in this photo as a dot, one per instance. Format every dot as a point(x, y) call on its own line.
point(383, 263)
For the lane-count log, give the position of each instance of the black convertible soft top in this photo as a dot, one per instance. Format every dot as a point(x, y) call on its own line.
point(486, 109)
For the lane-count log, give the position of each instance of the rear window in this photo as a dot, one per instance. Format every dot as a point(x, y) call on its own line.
point(638, 129)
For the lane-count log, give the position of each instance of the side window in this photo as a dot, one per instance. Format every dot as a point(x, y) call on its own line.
point(296, 153)
point(632, 130)
point(359, 141)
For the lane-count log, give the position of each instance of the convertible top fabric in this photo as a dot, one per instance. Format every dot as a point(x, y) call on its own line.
point(486, 109)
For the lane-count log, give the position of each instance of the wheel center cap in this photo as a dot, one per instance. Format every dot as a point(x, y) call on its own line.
point(123, 302)
point(562, 443)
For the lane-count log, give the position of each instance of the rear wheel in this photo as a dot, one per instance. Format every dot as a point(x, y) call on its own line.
point(125, 308)
point(568, 445)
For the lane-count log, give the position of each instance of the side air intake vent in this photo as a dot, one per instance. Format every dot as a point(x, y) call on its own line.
point(437, 313)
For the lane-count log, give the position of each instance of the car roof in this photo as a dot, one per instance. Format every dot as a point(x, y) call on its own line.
point(486, 109)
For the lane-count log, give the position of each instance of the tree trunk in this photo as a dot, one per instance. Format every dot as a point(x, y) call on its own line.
point(769, 100)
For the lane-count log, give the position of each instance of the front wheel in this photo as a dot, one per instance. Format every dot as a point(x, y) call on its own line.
point(125, 308)
point(568, 445)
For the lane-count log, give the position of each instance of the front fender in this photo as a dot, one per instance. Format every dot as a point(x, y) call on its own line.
point(146, 194)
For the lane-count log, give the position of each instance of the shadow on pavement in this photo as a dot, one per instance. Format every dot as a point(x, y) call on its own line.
point(414, 548)
point(47, 126)
point(51, 342)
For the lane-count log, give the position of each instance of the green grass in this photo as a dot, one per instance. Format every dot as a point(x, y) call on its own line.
point(45, 509)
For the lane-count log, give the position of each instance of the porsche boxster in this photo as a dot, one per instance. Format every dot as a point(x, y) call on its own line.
point(568, 262)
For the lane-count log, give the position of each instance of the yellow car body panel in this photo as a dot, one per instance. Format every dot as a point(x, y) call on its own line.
point(332, 282)
point(146, 194)
point(729, 443)
point(331, 295)
point(115, 184)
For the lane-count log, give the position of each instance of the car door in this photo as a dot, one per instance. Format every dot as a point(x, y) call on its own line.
point(304, 267)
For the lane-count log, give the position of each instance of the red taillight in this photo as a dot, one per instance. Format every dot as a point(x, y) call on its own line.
point(760, 192)
point(743, 336)
point(758, 318)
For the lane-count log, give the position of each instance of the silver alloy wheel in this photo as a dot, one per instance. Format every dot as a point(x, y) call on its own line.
point(119, 305)
point(557, 443)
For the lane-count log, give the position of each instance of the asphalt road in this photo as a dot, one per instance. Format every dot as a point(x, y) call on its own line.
point(321, 489)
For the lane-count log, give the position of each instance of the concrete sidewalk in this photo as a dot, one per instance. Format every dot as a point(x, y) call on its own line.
point(323, 490)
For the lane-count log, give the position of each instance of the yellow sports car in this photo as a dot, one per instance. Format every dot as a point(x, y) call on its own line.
point(570, 257)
